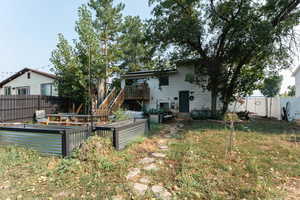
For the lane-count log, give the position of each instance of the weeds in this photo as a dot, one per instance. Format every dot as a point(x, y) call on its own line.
point(195, 168)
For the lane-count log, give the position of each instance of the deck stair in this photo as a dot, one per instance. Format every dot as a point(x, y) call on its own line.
point(112, 102)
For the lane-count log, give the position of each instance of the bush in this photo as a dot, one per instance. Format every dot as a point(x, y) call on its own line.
point(201, 114)
point(120, 115)
point(231, 117)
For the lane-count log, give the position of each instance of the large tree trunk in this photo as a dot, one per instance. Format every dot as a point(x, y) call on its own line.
point(271, 107)
point(225, 106)
point(214, 99)
point(267, 107)
point(101, 90)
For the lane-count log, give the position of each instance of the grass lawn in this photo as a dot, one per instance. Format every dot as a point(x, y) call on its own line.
point(195, 167)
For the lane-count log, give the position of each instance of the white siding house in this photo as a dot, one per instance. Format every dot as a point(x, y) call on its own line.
point(29, 82)
point(296, 74)
point(171, 90)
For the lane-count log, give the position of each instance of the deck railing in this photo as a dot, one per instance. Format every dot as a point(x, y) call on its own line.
point(139, 92)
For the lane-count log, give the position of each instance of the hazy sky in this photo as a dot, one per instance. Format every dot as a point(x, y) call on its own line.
point(29, 28)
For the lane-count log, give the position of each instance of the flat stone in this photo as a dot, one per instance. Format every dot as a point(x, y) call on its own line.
point(161, 192)
point(164, 147)
point(180, 125)
point(146, 161)
point(145, 180)
point(158, 155)
point(132, 173)
point(117, 198)
point(140, 189)
point(151, 167)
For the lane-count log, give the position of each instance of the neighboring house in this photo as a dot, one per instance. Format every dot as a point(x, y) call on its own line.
point(296, 74)
point(164, 89)
point(29, 82)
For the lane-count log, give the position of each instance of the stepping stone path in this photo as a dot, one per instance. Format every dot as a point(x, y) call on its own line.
point(146, 160)
point(141, 186)
point(164, 147)
point(151, 167)
point(132, 173)
point(144, 180)
point(161, 192)
point(158, 155)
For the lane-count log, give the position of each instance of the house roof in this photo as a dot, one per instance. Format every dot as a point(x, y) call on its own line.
point(23, 71)
point(296, 71)
point(148, 73)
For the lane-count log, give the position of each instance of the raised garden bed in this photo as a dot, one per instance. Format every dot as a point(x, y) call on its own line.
point(53, 140)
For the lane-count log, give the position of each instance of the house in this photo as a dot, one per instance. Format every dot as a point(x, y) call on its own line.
point(166, 89)
point(296, 74)
point(29, 82)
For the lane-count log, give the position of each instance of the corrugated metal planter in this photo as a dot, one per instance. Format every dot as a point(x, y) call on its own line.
point(53, 140)
point(125, 132)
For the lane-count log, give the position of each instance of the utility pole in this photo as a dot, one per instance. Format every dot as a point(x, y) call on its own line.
point(90, 90)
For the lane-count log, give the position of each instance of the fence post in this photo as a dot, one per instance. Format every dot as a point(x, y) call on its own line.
point(65, 143)
point(39, 102)
point(115, 138)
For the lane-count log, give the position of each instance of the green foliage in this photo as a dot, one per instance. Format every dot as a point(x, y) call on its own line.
point(231, 117)
point(136, 50)
point(291, 91)
point(154, 111)
point(120, 115)
point(232, 42)
point(271, 86)
point(105, 43)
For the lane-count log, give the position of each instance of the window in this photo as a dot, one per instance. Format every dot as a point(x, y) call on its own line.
point(23, 90)
point(7, 91)
point(47, 89)
point(164, 81)
point(28, 75)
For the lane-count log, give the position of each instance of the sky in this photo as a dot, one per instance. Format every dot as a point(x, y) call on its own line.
point(29, 29)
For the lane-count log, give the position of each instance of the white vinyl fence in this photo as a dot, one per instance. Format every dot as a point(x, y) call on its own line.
point(260, 106)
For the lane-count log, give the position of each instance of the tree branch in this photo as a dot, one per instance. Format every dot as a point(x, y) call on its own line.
point(285, 12)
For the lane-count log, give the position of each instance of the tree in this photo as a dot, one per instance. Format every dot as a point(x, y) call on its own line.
point(96, 49)
point(72, 64)
point(108, 23)
point(137, 52)
point(270, 88)
point(67, 69)
point(291, 91)
point(232, 42)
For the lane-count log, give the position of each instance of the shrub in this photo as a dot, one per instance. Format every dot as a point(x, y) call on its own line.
point(120, 115)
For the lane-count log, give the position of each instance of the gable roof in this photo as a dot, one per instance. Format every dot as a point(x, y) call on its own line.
point(296, 71)
point(23, 71)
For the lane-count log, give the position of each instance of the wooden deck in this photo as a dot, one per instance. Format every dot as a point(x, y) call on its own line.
point(139, 92)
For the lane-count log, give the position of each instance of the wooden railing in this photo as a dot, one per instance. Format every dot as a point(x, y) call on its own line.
point(118, 101)
point(140, 92)
point(107, 101)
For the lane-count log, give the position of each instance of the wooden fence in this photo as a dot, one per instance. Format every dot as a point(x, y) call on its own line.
point(22, 108)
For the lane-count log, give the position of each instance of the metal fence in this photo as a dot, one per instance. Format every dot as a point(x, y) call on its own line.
point(22, 108)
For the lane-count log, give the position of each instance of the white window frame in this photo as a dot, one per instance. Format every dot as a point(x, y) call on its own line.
point(27, 88)
point(51, 89)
